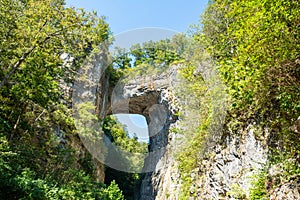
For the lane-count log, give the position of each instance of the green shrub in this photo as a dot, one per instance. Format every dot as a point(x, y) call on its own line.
point(258, 189)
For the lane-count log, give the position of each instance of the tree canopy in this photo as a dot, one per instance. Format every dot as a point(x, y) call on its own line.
point(35, 119)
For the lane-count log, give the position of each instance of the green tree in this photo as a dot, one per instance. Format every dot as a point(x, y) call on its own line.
point(119, 136)
point(148, 58)
point(35, 162)
point(255, 45)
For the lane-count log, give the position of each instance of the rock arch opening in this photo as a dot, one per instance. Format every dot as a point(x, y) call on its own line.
point(135, 125)
point(155, 108)
point(150, 104)
point(130, 133)
point(152, 97)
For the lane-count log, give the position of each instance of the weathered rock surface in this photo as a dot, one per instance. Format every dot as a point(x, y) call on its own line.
point(224, 174)
point(287, 191)
point(227, 173)
point(152, 97)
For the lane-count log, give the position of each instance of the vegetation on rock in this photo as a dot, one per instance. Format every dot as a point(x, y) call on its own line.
point(251, 46)
point(254, 46)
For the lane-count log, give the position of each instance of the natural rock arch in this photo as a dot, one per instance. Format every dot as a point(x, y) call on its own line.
point(149, 95)
point(152, 97)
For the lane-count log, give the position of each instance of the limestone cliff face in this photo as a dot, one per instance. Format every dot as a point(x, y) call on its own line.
point(91, 86)
point(229, 167)
point(152, 97)
point(226, 171)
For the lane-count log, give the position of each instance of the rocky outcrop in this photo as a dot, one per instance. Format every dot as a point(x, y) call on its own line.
point(91, 87)
point(152, 97)
point(285, 188)
point(226, 170)
point(226, 173)
point(288, 191)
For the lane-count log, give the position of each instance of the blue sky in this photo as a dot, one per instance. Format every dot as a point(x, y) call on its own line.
point(124, 15)
point(135, 124)
point(137, 21)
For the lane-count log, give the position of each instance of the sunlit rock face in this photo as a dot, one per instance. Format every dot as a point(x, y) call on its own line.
point(231, 162)
point(152, 97)
point(228, 171)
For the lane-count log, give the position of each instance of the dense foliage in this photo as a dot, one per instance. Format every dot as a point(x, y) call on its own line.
point(255, 48)
point(150, 58)
point(35, 120)
point(252, 46)
point(117, 133)
point(120, 137)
